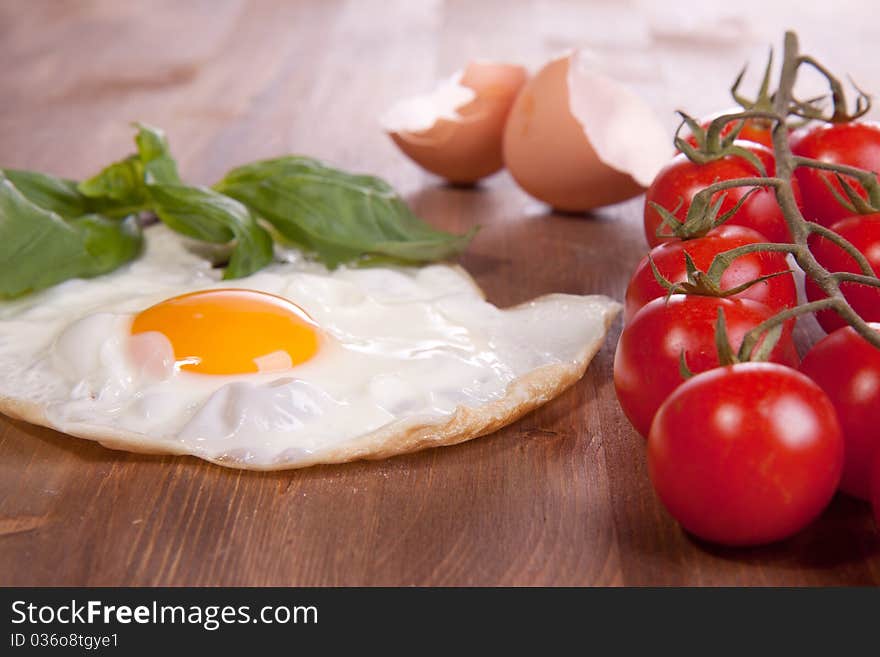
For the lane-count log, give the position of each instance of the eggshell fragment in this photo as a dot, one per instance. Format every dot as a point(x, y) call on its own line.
point(578, 140)
point(456, 130)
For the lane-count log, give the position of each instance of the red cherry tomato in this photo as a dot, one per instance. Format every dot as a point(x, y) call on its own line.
point(875, 490)
point(854, 144)
point(847, 368)
point(778, 293)
point(646, 365)
point(678, 182)
point(863, 232)
point(747, 454)
point(759, 131)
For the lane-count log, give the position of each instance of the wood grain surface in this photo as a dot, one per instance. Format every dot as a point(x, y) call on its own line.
point(562, 497)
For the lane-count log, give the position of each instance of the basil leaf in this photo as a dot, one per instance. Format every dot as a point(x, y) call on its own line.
point(155, 156)
point(205, 215)
point(120, 188)
point(63, 196)
point(39, 248)
point(338, 215)
point(121, 183)
point(48, 192)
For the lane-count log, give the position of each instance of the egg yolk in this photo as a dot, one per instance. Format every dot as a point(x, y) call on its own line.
point(232, 331)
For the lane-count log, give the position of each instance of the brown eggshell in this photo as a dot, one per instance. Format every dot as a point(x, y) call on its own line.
point(468, 148)
point(548, 153)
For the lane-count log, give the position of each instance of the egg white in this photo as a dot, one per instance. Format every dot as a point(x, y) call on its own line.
point(399, 345)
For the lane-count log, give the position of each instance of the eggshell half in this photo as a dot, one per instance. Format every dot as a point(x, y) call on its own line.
point(456, 131)
point(578, 140)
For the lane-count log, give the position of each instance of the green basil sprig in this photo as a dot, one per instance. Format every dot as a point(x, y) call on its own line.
point(148, 180)
point(53, 229)
point(337, 215)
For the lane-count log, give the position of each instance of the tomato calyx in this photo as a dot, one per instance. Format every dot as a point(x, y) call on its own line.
point(683, 370)
point(757, 350)
point(764, 100)
point(708, 283)
point(853, 201)
point(716, 139)
point(711, 145)
point(762, 110)
point(749, 352)
point(702, 215)
point(840, 112)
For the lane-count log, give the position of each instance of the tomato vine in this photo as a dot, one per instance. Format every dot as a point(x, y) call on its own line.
point(785, 105)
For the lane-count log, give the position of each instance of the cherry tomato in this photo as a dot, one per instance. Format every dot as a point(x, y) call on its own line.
point(778, 293)
point(863, 232)
point(875, 490)
point(678, 182)
point(759, 131)
point(847, 368)
point(746, 454)
point(855, 144)
point(646, 365)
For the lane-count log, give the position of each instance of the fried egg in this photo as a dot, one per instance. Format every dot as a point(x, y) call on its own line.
point(291, 366)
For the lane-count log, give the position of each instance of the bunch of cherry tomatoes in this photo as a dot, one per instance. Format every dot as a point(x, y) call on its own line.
point(752, 452)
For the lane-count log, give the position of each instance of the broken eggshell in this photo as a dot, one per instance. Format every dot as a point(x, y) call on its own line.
point(579, 140)
point(456, 130)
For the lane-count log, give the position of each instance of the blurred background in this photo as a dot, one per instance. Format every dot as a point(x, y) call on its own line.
point(313, 76)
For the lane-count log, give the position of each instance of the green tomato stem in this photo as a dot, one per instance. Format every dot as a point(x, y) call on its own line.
point(847, 277)
point(751, 339)
point(713, 132)
point(868, 179)
point(723, 260)
point(844, 244)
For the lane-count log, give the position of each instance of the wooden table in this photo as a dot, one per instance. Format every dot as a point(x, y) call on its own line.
point(561, 497)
